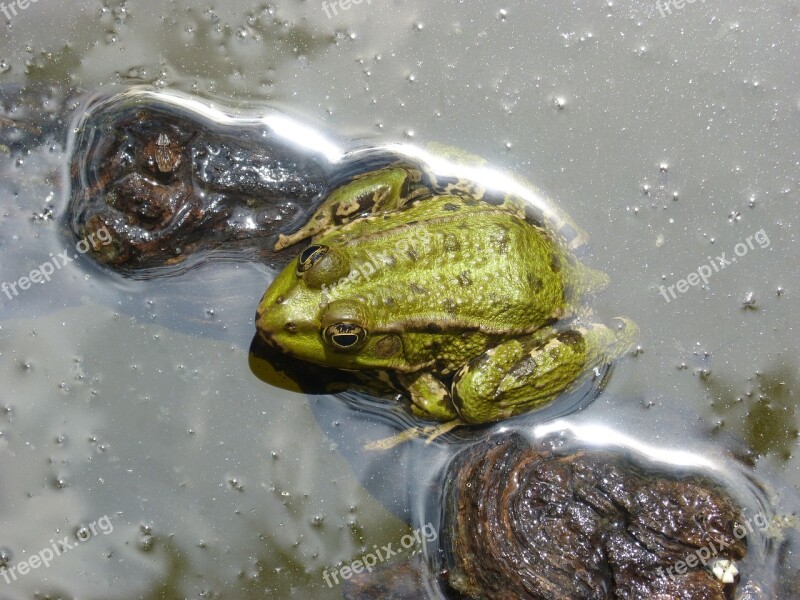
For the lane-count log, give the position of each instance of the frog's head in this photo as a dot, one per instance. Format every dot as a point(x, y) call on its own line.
point(300, 315)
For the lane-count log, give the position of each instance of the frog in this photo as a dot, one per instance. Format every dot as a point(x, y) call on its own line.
point(467, 301)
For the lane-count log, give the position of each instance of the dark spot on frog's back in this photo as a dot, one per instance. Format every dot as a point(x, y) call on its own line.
point(432, 328)
point(450, 307)
point(571, 338)
point(451, 243)
point(500, 239)
point(534, 283)
point(450, 207)
point(415, 288)
point(465, 279)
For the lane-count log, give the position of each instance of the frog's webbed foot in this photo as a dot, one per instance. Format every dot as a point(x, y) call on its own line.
point(429, 432)
point(526, 373)
point(430, 399)
point(374, 192)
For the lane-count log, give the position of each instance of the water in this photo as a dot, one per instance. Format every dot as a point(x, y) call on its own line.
point(669, 139)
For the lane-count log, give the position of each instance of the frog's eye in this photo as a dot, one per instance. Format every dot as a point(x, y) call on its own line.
point(309, 257)
point(345, 336)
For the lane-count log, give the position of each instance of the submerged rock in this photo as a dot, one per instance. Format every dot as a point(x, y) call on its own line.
point(168, 182)
point(526, 522)
point(523, 521)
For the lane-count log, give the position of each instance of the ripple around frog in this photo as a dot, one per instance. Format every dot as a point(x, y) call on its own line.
point(180, 183)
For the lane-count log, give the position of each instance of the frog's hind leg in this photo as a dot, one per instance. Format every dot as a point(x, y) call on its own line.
point(526, 373)
point(373, 192)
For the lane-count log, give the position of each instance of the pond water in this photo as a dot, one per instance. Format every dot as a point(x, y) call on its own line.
point(129, 406)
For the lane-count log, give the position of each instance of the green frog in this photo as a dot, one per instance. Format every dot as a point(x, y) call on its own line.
point(467, 302)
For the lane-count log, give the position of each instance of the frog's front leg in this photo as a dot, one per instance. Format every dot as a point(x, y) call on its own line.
point(430, 398)
point(377, 191)
point(529, 372)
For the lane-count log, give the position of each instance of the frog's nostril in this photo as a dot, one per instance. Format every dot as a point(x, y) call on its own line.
point(280, 300)
point(290, 327)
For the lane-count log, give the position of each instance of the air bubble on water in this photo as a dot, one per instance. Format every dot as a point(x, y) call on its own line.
point(411, 77)
point(749, 300)
point(316, 520)
point(60, 483)
point(83, 533)
point(4, 66)
point(751, 203)
point(5, 556)
point(418, 26)
point(409, 133)
point(779, 291)
point(502, 14)
point(120, 13)
point(559, 102)
point(236, 484)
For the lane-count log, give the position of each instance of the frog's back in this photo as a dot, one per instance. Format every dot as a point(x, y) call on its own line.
point(456, 264)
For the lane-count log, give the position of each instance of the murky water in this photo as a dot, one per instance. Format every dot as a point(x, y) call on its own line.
point(671, 139)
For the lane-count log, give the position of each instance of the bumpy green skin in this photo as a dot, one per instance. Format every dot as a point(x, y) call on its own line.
point(467, 304)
